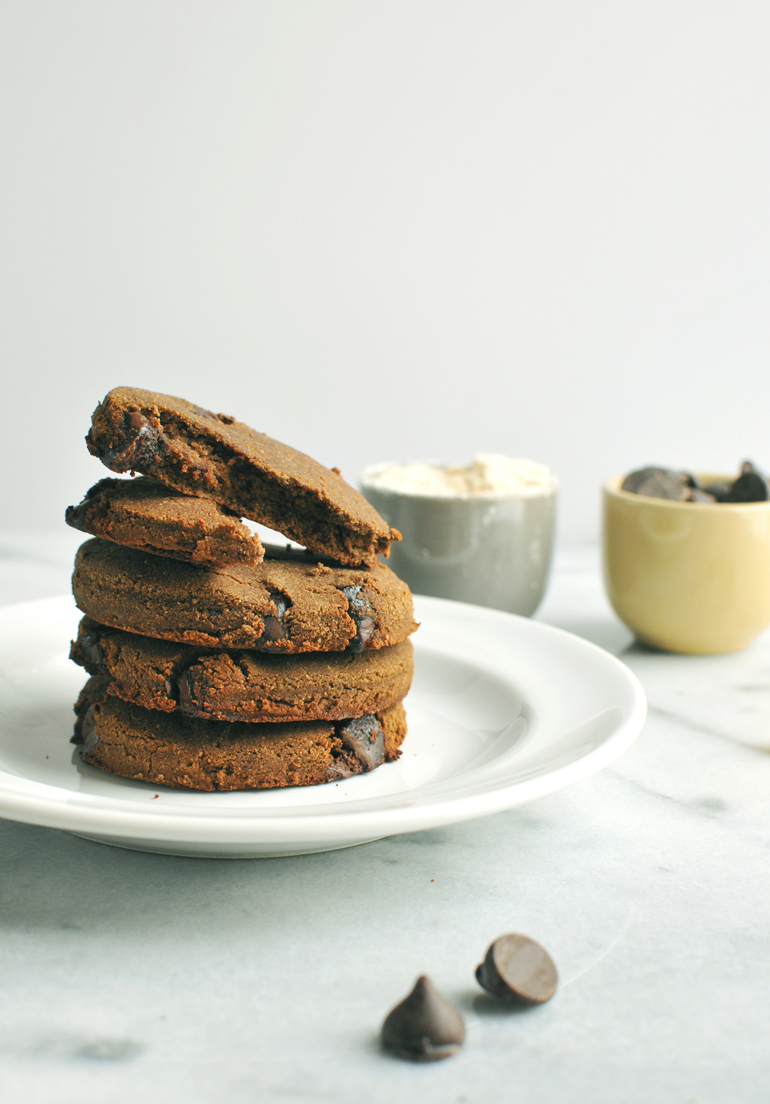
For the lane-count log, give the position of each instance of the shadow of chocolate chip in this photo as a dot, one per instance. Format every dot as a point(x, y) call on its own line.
point(709, 806)
point(110, 1050)
point(484, 1004)
point(517, 968)
point(424, 1027)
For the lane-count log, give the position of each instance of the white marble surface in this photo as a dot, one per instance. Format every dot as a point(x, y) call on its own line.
point(127, 976)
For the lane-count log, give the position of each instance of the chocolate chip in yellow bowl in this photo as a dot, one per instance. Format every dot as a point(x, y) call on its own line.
point(688, 576)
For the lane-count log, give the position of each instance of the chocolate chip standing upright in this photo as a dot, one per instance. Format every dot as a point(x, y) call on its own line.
point(750, 486)
point(424, 1027)
point(518, 968)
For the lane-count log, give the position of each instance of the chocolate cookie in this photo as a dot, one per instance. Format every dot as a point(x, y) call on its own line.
point(208, 454)
point(244, 686)
point(286, 605)
point(146, 515)
point(168, 749)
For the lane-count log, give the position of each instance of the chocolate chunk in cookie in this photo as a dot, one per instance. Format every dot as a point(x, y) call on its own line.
point(202, 453)
point(144, 514)
point(173, 750)
point(244, 686)
point(281, 605)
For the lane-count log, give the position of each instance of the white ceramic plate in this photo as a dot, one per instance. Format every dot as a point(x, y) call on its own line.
point(502, 710)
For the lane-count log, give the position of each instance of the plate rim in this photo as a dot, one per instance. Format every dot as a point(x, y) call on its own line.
point(70, 811)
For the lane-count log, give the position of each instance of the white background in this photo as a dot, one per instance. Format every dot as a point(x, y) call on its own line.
point(388, 230)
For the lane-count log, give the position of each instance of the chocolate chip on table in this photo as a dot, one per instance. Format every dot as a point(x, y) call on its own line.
point(518, 968)
point(424, 1027)
point(750, 486)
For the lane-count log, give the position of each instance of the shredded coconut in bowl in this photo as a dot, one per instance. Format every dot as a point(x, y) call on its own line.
point(489, 475)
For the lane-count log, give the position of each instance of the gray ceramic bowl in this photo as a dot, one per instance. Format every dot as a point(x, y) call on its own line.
point(488, 551)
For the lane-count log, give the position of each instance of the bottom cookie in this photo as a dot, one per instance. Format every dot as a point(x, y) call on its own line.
point(171, 750)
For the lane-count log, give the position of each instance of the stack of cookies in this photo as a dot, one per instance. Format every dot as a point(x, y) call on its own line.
point(217, 663)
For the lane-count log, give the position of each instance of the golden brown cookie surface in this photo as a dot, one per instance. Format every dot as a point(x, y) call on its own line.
point(172, 750)
point(244, 686)
point(201, 453)
point(146, 515)
point(285, 605)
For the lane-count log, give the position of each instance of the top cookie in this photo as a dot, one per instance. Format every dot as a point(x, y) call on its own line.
point(201, 453)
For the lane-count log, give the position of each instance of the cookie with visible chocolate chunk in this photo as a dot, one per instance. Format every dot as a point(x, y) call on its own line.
point(244, 686)
point(202, 453)
point(168, 749)
point(289, 603)
point(144, 514)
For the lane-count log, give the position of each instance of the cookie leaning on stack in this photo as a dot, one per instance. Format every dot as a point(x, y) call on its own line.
point(217, 664)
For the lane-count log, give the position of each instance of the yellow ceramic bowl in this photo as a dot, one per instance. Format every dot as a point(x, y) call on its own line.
point(687, 576)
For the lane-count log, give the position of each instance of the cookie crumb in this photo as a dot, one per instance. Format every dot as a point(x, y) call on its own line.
point(321, 569)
